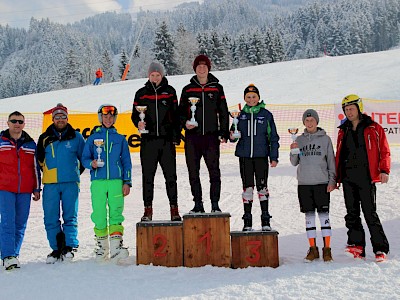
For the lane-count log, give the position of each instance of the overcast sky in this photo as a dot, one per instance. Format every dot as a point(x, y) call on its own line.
point(17, 13)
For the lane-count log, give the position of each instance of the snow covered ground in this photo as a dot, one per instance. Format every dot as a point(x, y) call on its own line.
point(323, 80)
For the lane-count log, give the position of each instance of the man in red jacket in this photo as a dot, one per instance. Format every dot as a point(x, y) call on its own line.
point(362, 159)
point(19, 178)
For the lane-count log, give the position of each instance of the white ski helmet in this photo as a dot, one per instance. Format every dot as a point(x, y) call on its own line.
point(106, 109)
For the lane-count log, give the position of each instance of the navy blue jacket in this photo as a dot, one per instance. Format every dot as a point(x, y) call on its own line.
point(259, 137)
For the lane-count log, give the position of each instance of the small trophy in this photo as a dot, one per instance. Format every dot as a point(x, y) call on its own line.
point(142, 109)
point(193, 101)
point(293, 131)
point(236, 133)
point(99, 143)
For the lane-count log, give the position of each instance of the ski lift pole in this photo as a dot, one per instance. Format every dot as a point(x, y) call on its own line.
point(128, 65)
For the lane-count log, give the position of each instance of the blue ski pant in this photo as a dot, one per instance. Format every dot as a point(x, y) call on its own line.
point(14, 211)
point(57, 197)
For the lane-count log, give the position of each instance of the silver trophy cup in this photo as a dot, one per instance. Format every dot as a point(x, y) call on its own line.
point(293, 131)
point(141, 110)
point(236, 133)
point(99, 143)
point(193, 101)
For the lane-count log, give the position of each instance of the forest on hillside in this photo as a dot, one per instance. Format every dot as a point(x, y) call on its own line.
point(233, 33)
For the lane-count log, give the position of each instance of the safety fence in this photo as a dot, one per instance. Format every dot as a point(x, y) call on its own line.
point(385, 112)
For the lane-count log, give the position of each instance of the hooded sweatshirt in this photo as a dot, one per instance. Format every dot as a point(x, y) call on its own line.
point(316, 161)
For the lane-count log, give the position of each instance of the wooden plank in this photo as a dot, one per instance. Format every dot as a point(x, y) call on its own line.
point(206, 240)
point(254, 248)
point(159, 243)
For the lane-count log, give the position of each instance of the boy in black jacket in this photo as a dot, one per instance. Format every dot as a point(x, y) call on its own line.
point(158, 145)
point(203, 140)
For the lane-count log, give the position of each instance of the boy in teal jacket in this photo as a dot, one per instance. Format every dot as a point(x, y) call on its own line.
point(107, 156)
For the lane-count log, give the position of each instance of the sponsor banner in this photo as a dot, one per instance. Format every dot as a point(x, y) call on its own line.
point(384, 112)
point(84, 123)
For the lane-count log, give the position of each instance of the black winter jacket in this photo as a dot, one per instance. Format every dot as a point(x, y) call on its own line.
point(161, 116)
point(211, 110)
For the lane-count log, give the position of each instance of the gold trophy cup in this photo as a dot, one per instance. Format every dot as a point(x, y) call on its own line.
point(193, 101)
point(99, 143)
point(293, 131)
point(141, 110)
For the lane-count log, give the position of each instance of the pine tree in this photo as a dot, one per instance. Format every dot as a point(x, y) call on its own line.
point(164, 50)
point(107, 66)
point(186, 49)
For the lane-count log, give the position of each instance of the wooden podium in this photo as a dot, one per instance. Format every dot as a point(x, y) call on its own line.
point(255, 249)
point(159, 243)
point(206, 239)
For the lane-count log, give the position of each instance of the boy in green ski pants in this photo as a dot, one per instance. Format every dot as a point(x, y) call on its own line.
point(107, 155)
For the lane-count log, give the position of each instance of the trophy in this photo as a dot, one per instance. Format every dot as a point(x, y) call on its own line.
point(293, 131)
point(99, 143)
point(193, 101)
point(235, 114)
point(142, 109)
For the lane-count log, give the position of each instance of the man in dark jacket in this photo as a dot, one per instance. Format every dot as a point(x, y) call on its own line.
point(203, 140)
point(158, 145)
point(362, 159)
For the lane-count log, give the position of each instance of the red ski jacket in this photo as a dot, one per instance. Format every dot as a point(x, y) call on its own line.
point(378, 151)
point(19, 172)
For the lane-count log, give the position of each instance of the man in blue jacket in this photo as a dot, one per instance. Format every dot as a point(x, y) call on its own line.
point(59, 153)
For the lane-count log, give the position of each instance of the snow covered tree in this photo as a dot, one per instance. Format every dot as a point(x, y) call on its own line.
point(164, 50)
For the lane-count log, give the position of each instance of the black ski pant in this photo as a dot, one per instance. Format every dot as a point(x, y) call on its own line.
point(154, 150)
point(359, 191)
point(257, 167)
point(206, 146)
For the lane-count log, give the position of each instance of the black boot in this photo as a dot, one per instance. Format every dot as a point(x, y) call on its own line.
point(215, 207)
point(265, 216)
point(247, 217)
point(198, 208)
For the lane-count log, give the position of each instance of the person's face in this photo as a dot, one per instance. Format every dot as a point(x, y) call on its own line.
point(60, 121)
point(108, 120)
point(202, 70)
point(311, 124)
point(16, 128)
point(155, 78)
point(351, 112)
point(251, 99)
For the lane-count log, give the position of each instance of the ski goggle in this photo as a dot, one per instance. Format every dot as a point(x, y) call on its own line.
point(17, 121)
point(356, 101)
point(105, 110)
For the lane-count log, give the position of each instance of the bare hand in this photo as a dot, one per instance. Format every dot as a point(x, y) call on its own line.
point(294, 145)
point(273, 164)
point(36, 196)
point(141, 125)
point(126, 189)
point(384, 177)
point(223, 140)
point(94, 164)
point(188, 126)
point(330, 188)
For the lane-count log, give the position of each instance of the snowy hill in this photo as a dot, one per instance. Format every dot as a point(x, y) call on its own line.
point(323, 80)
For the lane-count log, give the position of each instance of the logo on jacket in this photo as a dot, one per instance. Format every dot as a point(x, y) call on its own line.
point(68, 145)
point(210, 96)
point(164, 102)
point(311, 150)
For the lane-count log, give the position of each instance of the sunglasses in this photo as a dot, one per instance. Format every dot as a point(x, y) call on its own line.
point(63, 117)
point(17, 121)
point(105, 110)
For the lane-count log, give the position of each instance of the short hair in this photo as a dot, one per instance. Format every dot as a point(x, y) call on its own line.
point(15, 113)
